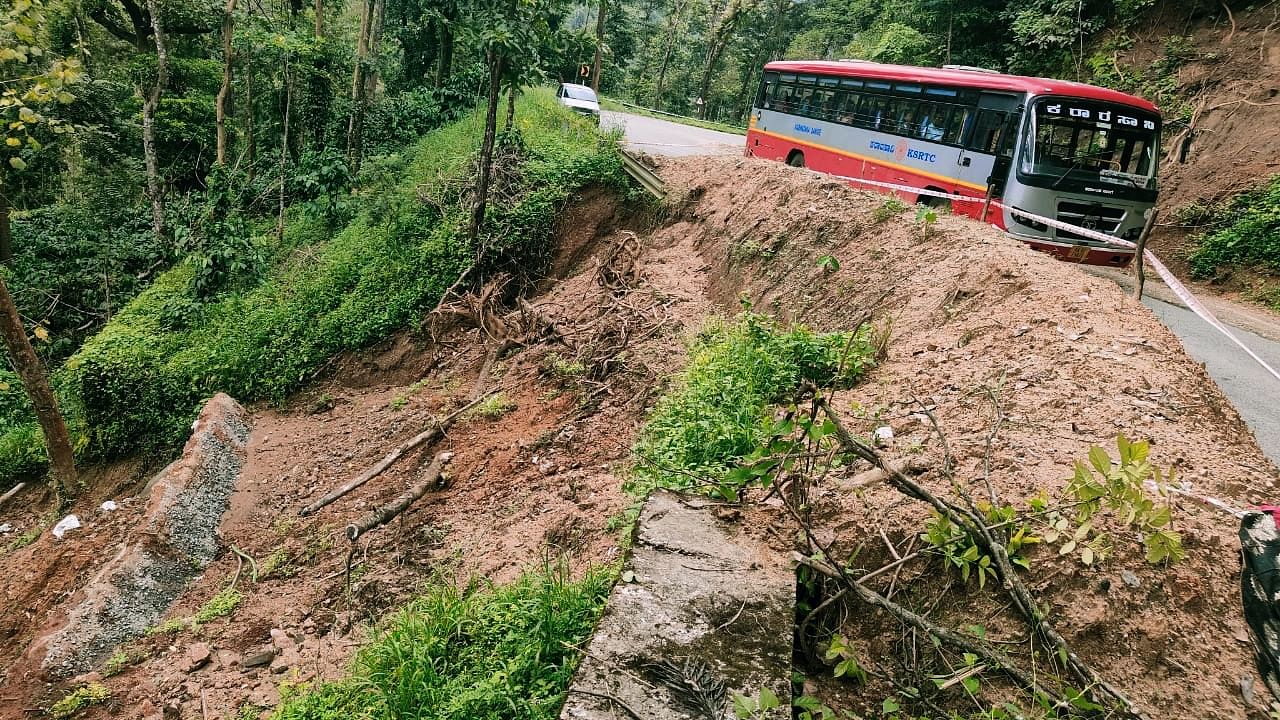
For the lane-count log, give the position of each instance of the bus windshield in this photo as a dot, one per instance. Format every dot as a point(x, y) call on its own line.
point(1082, 140)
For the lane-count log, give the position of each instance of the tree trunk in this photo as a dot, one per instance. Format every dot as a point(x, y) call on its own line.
point(155, 186)
point(511, 108)
point(723, 27)
point(666, 54)
point(319, 19)
point(29, 369)
point(486, 148)
point(595, 77)
point(6, 231)
point(284, 145)
point(375, 47)
point(250, 139)
point(224, 93)
point(445, 65)
point(355, 127)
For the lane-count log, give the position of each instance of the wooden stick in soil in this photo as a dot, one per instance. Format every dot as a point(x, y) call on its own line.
point(382, 515)
point(428, 435)
point(1139, 264)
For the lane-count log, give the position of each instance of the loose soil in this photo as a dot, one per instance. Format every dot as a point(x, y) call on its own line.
point(1071, 359)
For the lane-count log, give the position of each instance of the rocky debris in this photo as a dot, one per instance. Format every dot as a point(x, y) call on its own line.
point(177, 539)
point(702, 612)
point(258, 658)
point(198, 655)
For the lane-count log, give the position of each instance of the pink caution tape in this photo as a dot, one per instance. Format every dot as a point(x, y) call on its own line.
point(1183, 293)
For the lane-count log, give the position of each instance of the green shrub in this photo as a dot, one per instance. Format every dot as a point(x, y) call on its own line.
point(79, 699)
point(139, 382)
point(720, 409)
point(480, 654)
point(1245, 232)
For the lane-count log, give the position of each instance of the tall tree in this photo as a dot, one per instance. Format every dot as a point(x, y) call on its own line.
point(155, 184)
point(720, 31)
point(366, 54)
point(595, 75)
point(671, 37)
point(224, 93)
point(39, 85)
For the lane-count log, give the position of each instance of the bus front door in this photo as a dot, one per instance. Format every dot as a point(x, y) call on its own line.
point(987, 155)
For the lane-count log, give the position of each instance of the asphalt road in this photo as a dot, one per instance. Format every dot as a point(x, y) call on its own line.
point(1255, 393)
point(663, 137)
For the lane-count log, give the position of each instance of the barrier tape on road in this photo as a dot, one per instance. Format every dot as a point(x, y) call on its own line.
point(1184, 294)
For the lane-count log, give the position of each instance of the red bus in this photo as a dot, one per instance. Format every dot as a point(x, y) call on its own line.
point(1080, 154)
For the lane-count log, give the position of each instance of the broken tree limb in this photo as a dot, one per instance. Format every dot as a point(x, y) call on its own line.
point(992, 657)
point(436, 430)
point(386, 513)
point(976, 528)
point(12, 491)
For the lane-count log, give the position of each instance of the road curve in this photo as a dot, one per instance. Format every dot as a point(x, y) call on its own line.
point(1254, 392)
point(663, 137)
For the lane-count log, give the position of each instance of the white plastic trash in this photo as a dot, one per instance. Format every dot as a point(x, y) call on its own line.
point(5, 528)
point(70, 522)
point(110, 506)
point(883, 435)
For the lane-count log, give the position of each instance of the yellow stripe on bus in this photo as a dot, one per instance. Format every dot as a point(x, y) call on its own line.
point(877, 161)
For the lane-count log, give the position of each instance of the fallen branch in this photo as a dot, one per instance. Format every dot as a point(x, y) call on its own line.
point(386, 513)
point(12, 491)
point(972, 524)
point(429, 435)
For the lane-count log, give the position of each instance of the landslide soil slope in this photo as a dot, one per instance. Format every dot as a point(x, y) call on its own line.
point(1074, 362)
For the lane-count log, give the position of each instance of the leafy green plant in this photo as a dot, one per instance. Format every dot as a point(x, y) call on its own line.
point(828, 264)
point(891, 207)
point(23, 539)
point(846, 659)
point(168, 627)
point(760, 707)
point(1245, 232)
point(926, 218)
point(1119, 486)
point(962, 553)
point(278, 564)
point(493, 407)
point(121, 660)
point(82, 697)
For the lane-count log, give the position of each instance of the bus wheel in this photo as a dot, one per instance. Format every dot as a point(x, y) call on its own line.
point(795, 159)
point(933, 202)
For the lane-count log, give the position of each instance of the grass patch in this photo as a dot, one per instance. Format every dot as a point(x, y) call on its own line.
point(483, 653)
point(168, 627)
point(138, 383)
point(720, 408)
point(220, 605)
point(23, 540)
point(617, 106)
point(493, 407)
point(79, 699)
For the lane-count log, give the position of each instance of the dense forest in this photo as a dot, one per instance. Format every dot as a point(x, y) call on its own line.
point(703, 57)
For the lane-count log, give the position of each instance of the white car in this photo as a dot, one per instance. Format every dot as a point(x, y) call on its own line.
point(579, 98)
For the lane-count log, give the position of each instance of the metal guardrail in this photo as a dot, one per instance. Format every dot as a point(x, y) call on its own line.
point(643, 175)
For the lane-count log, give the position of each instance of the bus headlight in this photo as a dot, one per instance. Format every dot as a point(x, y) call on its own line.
point(1028, 222)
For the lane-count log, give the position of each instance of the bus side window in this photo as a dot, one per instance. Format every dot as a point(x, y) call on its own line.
point(956, 125)
point(783, 97)
point(768, 86)
point(988, 133)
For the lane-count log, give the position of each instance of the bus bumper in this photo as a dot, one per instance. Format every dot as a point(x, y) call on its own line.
point(1084, 254)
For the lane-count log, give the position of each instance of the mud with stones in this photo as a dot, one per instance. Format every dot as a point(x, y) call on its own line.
point(1072, 361)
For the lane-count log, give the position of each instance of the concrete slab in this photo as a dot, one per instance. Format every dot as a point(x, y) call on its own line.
point(703, 612)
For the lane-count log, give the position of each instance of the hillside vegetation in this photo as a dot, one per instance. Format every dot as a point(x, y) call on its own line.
point(320, 289)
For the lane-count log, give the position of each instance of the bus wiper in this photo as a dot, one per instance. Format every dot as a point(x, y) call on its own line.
point(1075, 161)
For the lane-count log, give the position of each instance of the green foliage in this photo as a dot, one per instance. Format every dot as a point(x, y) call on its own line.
point(218, 245)
point(79, 699)
point(23, 539)
point(960, 552)
point(846, 659)
point(719, 411)
point(139, 382)
point(828, 264)
point(503, 653)
point(1245, 231)
point(168, 627)
point(760, 707)
point(890, 207)
point(220, 605)
point(926, 218)
point(122, 660)
point(493, 407)
point(1119, 487)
